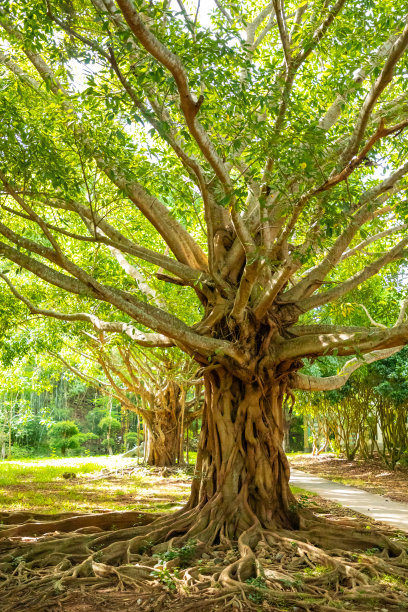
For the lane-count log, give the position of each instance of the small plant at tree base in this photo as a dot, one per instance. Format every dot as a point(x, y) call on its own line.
point(372, 551)
point(166, 577)
point(257, 583)
point(184, 553)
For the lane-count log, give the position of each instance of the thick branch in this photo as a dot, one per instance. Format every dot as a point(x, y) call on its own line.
point(143, 339)
point(188, 104)
point(329, 383)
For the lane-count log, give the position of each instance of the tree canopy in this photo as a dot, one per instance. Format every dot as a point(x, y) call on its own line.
point(223, 185)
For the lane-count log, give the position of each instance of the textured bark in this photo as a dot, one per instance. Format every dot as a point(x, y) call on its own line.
point(164, 426)
point(162, 438)
point(242, 471)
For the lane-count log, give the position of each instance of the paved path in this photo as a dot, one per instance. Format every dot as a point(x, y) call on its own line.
point(378, 507)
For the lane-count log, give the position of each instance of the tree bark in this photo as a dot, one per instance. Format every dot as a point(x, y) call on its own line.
point(163, 434)
point(242, 474)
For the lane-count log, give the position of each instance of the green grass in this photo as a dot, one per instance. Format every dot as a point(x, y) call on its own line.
point(43, 470)
point(38, 486)
point(299, 491)
point(192, 457)
point(355, 482)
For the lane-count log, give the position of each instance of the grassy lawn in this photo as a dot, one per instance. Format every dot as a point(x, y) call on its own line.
point(38, 485)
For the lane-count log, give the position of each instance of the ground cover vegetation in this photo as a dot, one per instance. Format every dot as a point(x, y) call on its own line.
point(216, 188)
point(96, 484)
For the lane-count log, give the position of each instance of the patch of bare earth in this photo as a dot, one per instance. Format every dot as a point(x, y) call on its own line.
point(370, 475)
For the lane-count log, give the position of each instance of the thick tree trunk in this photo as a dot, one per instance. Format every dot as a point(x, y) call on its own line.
point(242, 470)
point(162, 438)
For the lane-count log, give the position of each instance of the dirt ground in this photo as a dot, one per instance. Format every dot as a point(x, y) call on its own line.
point(116, 599)
point(163, 491)
point(371, 475)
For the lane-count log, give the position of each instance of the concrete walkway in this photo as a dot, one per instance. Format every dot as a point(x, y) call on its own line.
point(376, 506)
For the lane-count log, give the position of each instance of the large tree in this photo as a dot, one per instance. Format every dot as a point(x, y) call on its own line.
point(253, 167)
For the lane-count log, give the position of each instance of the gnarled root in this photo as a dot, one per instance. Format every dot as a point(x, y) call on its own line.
point(188, 559)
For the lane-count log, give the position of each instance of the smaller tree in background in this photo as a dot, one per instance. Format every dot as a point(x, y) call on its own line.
point(63, 434)
point(162, 389)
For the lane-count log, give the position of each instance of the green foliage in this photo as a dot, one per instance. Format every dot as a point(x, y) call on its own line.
point(166, 576)
point(258, 584)
point(64, 430)
point(109, 423)
point(185, 553)
point(63, 435)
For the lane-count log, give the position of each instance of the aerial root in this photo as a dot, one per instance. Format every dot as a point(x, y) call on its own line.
point(190, 555)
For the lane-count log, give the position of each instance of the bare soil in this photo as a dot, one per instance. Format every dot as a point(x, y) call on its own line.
point(371, 475)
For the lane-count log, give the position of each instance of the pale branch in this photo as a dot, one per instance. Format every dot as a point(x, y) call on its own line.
point(247, 282)
point(142, 370)
point(252, 27)
point(298, 18)
point(357, 160)
point(370, 318)
point(125, 245)
point(134, 273)
point(189, 105)
point(67, 283)
point(95, 382)
point(110, 370)
point(298, 60)
point(141, 338)
point(359, 76)
point(146, 314)
point(273, 288)
point(180, 241)
point(329, 383)
point(369, 201)
point(31, 214)
point(195, 171)
point(241, 230)
point(223, 11)
point(102, 292)
point(310, 330)
point(107, 389)
point(341, 289)
point(383, 80)
point(401, 315)
point(138, 103)
point(119, 242)
point(37, 61)
point(186, 16)
point(297, 209)
point(361, 245)
point(268, 27)
point(343, 344)
point(21, 74)
point(320, 32)
point(283, 33)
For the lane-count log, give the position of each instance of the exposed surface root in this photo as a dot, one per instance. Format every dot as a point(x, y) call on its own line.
point(63, 523)
point(185, 561)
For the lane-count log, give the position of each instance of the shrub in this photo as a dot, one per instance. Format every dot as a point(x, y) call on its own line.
point(63, 435)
